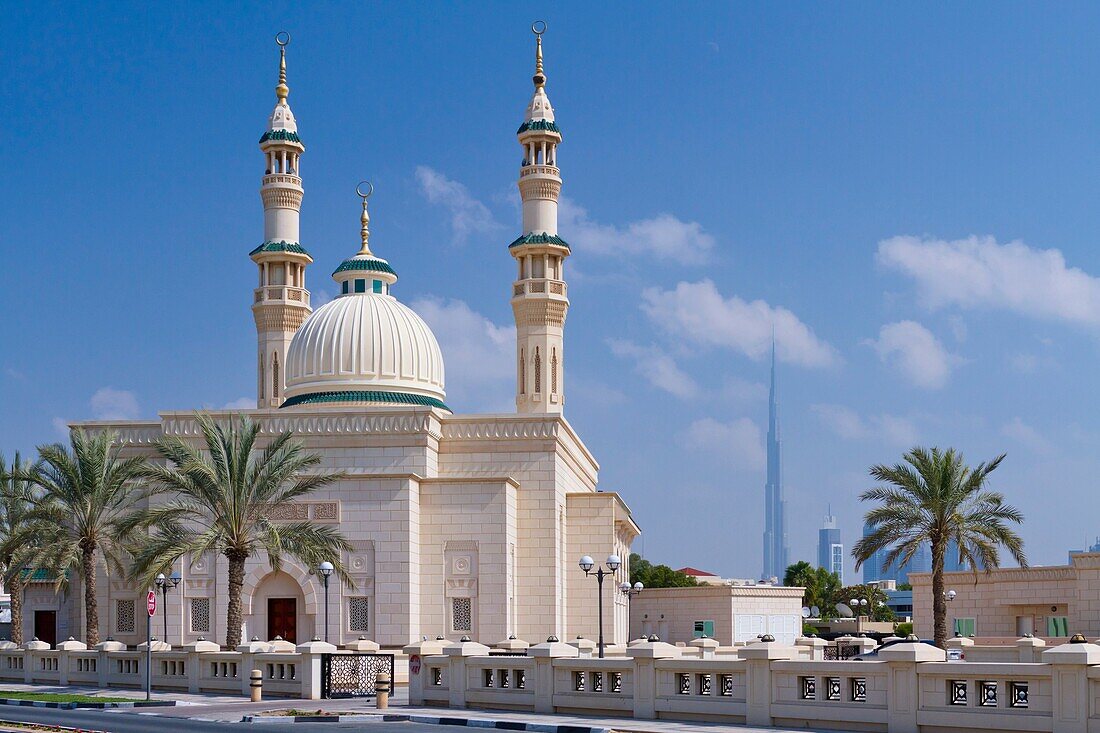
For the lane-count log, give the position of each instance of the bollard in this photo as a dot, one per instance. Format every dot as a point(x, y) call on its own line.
point(256, 685)
point(382, 690)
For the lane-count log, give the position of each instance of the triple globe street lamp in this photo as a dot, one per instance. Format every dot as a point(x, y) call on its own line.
point(613, 563)
point(165, 584)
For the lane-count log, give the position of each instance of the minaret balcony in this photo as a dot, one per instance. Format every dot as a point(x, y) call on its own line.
point(541, 286)
point(540, 170)
point(282, 179)
point(281, 295)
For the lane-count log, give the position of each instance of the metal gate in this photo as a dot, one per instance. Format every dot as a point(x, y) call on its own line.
point(352, 675)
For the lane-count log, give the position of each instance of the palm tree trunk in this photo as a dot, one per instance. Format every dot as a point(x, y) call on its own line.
point(15, 588)
point(91, 631)
point(233, 618)
point(939, 600)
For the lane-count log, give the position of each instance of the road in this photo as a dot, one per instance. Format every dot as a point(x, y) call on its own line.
point(141, 722)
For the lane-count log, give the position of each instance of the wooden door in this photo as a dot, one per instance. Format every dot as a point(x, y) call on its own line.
point(45, 627)
point(282, 619)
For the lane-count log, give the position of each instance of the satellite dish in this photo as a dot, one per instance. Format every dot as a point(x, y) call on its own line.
point(805, 612)
point(843, 610)
point(815, 612)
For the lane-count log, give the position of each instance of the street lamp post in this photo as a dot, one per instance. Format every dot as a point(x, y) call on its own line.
point(586, 564)
point(164, 585)
point(629, 591)
point(325, 569)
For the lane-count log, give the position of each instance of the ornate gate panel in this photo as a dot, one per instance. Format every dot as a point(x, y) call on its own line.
point(352, 675)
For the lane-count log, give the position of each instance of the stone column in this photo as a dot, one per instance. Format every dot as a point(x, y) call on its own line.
point(705, 645)
point(586, 648)
point(814, 645)
point(1030, 647)
point(456, 654)
point(961, 643)
point(194, 661)
point(902, 699)
point(69, 645)
point(103, 661)
point(29, 648)
point(758, 677)
point(309, 668)
point(247, 650)
point(512, 644)
point(645, 674)
point(417, 681)
point(1070, 683)
point(544, 656)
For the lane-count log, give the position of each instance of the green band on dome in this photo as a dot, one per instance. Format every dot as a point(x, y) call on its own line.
point(280, 246)
point(286, 135)
point(401, 398)
point(548, 125)
point(370, 265)
point(540, 238)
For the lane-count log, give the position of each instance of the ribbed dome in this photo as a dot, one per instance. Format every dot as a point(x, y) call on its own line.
point(364, 347)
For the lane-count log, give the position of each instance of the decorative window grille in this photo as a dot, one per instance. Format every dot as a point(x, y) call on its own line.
point(200, 614)
point(359, 613)
point(683, 683)
point(956, 692)
point(437, 676)
point(832, 688)
point(462, 614)
point(126, 616)
point(616, 681)
point(504, 677)
point(727, 685)
point(1017, 694)
point(554, 371)
point(578, 681)
point(538, 371)
point(521, 679)
point(703, 684)
point(859, 689)
point(597, 682)
point(989, 694)
point(809, 688)
point(488, 678)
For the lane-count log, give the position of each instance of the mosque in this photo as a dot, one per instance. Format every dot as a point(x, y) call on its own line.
point(462, 524)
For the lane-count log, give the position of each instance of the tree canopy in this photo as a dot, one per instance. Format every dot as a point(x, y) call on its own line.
point(657, 576)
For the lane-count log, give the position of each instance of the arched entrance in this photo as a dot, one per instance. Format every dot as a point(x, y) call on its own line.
point(278, 609)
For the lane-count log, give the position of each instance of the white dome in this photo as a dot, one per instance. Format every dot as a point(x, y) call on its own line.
point(364, 347)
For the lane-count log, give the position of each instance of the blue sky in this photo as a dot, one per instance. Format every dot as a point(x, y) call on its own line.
point(908, 195)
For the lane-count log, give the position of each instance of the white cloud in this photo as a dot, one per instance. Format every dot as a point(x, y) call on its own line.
point(699, 312)
point(479, 354)
point(958, 328)
point(848, 424)
point(469, 216)
point(114, 404)
point(1022, 433)
point(742, 390)
point(979, 272)
point(658, 368)
point(739, 443)
point(664, 236)
point(1024, 363)
point(914, 352)
point(241, 403)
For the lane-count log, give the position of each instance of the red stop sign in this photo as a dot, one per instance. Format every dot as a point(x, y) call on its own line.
point(151, 603)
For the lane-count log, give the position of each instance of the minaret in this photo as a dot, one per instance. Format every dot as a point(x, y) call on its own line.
point(775, 521)
point(539, 294)
point(281, 302)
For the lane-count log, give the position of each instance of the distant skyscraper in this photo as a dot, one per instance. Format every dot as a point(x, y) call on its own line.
point(776, 551)
point(876, 568)
point(830, 551)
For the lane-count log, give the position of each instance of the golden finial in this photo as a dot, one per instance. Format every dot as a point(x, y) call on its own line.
point(364, 232)
point(282, 38)
point(538, 28)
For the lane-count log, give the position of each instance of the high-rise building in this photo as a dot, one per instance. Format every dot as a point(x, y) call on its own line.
point(776, 551)
point(876, 568)
point(830, 550)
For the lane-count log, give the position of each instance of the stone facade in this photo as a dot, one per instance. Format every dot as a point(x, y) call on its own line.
point(737, 613)
point(1050, 602)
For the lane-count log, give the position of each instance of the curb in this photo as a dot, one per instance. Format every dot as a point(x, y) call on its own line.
point(50, 725)
point(18, 702)
point(427, 720)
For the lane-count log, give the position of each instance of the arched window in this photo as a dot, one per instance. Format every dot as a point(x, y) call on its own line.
point(275, 376)
point(522, 373)
point(553, 371)
point(263, 377)
point(538, 371)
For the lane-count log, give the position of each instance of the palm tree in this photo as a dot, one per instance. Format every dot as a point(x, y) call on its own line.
point(934, 498)
point(220, 500)
point(821, 586)
point(85, 491)
point(16, 501)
